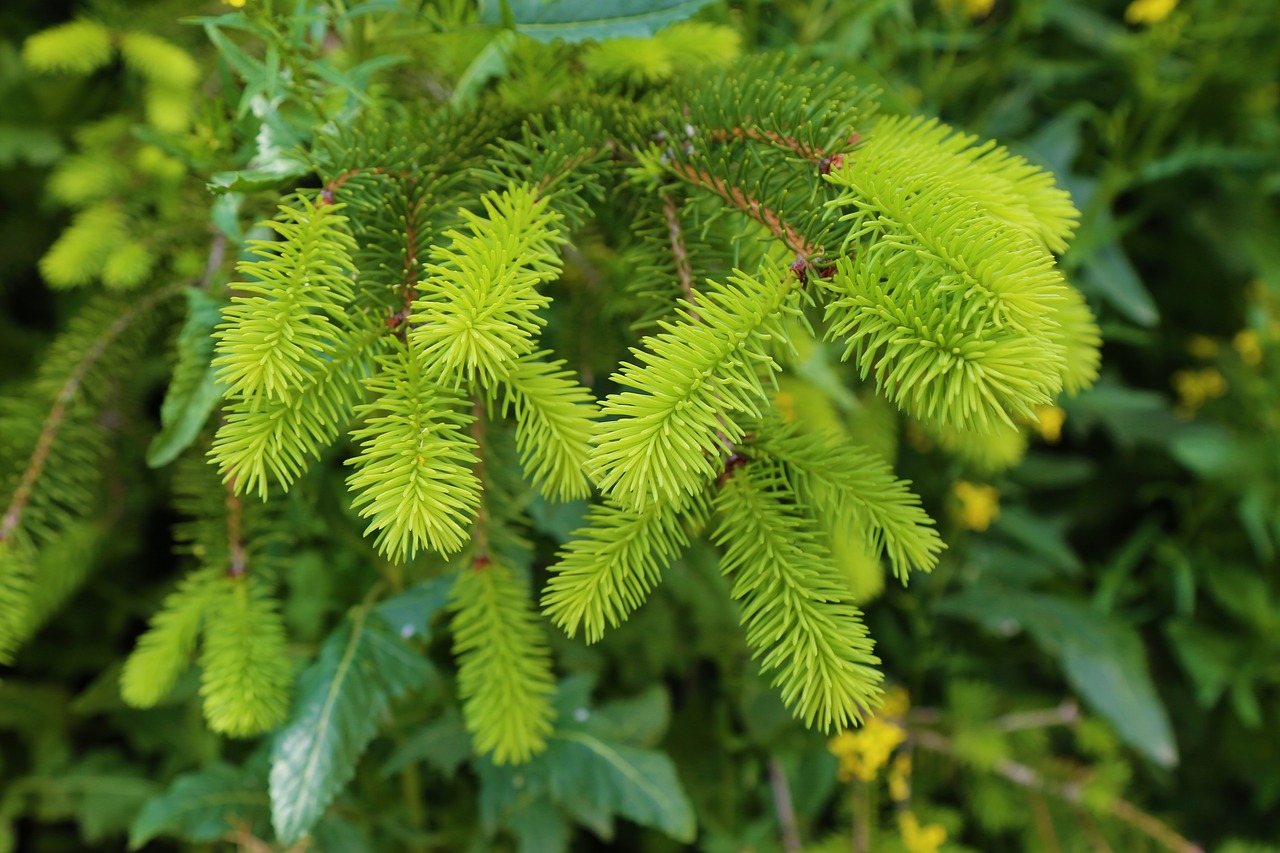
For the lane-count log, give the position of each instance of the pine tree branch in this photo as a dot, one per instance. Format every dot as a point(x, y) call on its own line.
point(238, 564)
point(12, 517)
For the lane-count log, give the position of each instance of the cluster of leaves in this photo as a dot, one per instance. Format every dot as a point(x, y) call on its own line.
point(440, 306)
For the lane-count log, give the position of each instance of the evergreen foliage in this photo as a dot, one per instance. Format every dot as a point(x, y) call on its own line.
point(483, 308)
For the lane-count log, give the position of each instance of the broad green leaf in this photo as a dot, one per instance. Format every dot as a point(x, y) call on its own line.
point(638, 784)
point(342, 699)
point(254, 180)
point(193, 391)
point(1101, 656)
point(583, 20)
point(1109, 274)
point(409, 613)
point(1213, 451)
point(539, 830)
point(203, 806)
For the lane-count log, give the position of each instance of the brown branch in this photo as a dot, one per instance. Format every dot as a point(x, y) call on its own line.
point(771, 137)
point(1021, 774)
point(782, 804)
point(58, 412)
point(683, 269)
point(750, 206)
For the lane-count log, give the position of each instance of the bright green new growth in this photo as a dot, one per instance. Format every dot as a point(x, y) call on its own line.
point(414, 476)
point(477, 312)
point(554, 420)
point(699, 378)
point(164, 652)
point(246, 676)
point(610, 566)
point(796, 606)
point(504, 664)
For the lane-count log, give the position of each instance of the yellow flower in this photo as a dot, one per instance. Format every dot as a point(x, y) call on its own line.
point(1196, 387)
point(918, 839)
point(979, 505)
point(1149, 11)
point(900, 778)
point(974, 9)
point(862, 752)
point(1246, 343)
point(237, 3)
point(1048, 422)
point(1202, 346)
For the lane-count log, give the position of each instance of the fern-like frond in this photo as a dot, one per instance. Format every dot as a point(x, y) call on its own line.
point(504, 664)
point(952, 311)
point(164, 652)
point(265, 440)
point(476, 313)
point(667, 436)
point(247, 676)
point(414, 479)
point(271, 342)
point(17, 567)
point(855, 491)
point(795, 605)
point(554, 419)
point(609, 567)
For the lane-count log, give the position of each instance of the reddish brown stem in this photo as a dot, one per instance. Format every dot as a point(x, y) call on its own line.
point(239, 562)
point(683, 269)
point(12, 517)
point(750, 206)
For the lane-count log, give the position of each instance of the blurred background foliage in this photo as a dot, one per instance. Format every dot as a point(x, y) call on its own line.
point(1094, 666)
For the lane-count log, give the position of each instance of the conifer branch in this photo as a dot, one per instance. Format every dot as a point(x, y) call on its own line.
point(750, 206)
point(238, 563)
point(12, 517)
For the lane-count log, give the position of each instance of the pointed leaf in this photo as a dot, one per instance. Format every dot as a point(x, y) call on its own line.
point(203, 806)
point(193, 391)
point(342, 699)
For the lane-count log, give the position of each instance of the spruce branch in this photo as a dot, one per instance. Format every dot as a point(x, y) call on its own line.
point(477, 313)
point(669, 431)
point(413, 477)
point(678, 250)
point(13, 513)
point(504, 663)
point(609, 567)
point(795, 606)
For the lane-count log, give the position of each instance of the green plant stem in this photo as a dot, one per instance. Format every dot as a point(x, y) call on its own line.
point(783, 806)
point(1021, 774)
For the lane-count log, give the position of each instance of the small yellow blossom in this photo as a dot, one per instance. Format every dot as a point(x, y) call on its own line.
point(1202, 346)
point(1196, 387)
point(900, 778)
point(979, 505)
point(1149, 11)
point(862, 752)
point(237, 3)
point(974, 9)
point(1246, 343)
point(1048, 422)
point(918, 839)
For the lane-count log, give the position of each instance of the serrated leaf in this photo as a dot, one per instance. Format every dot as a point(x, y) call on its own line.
point(342, 699)
point(409, 613)
point(203, 806)
point(638, 784)
point(194, 391)
point(583, 20)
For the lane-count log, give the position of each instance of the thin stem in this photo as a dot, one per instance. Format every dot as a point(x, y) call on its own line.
point(1065, 714)
point(239, 563)
point(1044, 822)
point(1021, 774)
point(683, 269)
point(861, 817)
point(783, 806)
